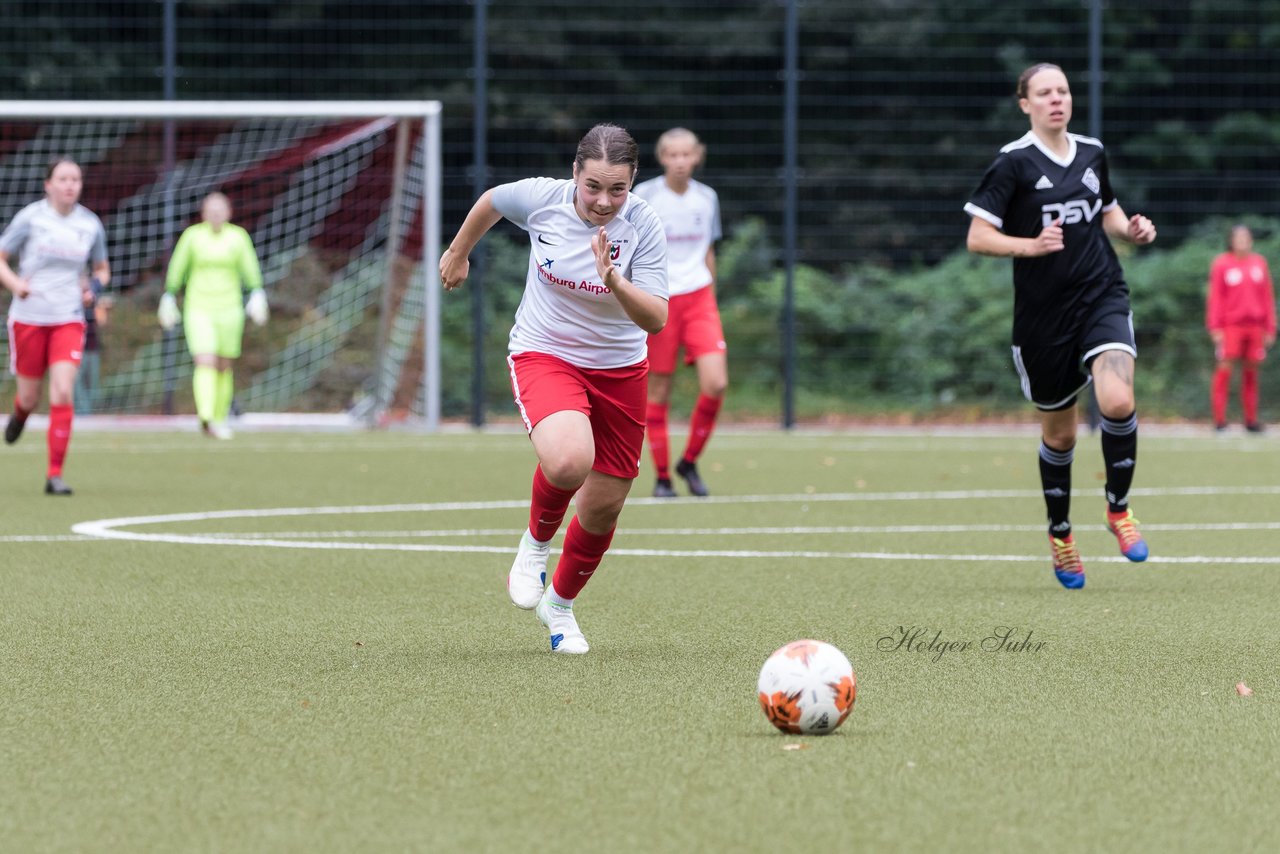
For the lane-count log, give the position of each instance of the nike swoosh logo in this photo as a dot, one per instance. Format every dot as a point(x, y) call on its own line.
point(543, 240)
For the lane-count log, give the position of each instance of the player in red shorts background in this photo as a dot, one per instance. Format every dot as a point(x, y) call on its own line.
point(596, 284)
point(56, 240)
point(690, 213)
point(1241, 317)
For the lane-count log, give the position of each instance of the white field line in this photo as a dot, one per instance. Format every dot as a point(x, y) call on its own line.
point(113, 528)
point(106, 527)
point(708, 532)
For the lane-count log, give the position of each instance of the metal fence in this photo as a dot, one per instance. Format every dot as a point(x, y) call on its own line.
point(900, 105)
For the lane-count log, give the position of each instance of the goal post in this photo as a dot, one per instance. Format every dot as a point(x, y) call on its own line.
point(342, 200)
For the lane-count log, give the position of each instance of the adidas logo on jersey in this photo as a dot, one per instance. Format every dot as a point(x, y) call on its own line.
point(1044, 183)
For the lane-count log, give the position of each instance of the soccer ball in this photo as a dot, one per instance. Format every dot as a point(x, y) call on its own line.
point(807, 688)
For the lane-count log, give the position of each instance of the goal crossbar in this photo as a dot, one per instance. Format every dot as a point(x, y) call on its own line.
point(216, 109)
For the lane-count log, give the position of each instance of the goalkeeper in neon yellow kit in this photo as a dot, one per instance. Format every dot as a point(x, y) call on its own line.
point(215, 261)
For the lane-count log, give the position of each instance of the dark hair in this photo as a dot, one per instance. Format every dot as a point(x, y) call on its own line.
point(1231, 233)
point(55, 163)
point(1025, 77)
point(609, 143)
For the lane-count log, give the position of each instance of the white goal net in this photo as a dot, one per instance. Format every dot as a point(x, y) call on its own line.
point(342, 201)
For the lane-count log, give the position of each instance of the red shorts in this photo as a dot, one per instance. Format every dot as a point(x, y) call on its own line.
point(614, 400)
point(32, 349)
point(693, 321)
point(1242, 342)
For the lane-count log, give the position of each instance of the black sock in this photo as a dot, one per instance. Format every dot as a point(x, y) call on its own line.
point(1055, 477)
point(1120, 453)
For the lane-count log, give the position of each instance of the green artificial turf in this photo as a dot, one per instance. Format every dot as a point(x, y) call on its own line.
point(169, 696)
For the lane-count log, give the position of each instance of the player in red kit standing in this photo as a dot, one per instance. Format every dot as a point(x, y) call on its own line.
point(596, 285)
point(55, 239)
point(1241, 317)
point(690, 213)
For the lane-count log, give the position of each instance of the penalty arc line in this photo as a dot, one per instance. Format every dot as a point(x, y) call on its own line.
point(442, 533)
point(110, 528)
point(222, 537)
point(625, 552)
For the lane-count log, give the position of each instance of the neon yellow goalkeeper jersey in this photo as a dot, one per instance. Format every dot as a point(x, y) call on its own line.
point(214, 267)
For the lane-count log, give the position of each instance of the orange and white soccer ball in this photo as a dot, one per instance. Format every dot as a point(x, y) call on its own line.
point(807, 688)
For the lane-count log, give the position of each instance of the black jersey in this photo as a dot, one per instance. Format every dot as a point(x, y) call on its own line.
point(1026, 189)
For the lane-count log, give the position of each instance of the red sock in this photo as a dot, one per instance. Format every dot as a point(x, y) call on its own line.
point(1219, 390)
point(18, 412)
point(548, 507)
point(659, 439)
point(59, 437)
point(579, 558)
point(701, 425)
point(1249, 394)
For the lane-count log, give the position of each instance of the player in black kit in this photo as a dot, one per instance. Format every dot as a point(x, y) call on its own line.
point(1047, 203)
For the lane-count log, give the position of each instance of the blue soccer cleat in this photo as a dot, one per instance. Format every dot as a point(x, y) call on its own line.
point(1125, 527)
point(1067, 566)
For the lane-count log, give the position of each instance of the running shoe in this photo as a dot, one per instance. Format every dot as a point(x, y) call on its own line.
point(662, 488)
point(566, 637)
point(528, 573)
point(13, 429)
point(689, 472)
point(1125, 527)
point(1067, 566)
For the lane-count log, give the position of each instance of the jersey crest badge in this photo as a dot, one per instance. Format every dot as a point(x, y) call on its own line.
point(1091, 180)
point(1044, 183)
point(615, 250)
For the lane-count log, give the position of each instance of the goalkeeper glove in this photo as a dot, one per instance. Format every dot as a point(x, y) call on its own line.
point(256, 308)
point(168, 313)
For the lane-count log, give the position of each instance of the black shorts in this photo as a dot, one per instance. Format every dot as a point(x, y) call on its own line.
point(1054, 375)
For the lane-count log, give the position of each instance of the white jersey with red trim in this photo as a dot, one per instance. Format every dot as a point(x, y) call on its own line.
point(692, 223)
point(53, 251)
point(566, 311)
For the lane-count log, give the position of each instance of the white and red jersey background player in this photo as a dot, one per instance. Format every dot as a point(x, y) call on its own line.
point(57, 241)
point(596, 285)
point(690, 213)
point(1240, 314)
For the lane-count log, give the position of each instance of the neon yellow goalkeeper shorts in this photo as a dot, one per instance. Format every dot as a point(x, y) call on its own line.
point(214, 332)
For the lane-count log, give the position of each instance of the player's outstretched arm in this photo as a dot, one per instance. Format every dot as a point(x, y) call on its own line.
point(455, 263)
point(985, 239)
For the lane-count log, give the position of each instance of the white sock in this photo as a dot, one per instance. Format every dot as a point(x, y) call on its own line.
point(556, 599)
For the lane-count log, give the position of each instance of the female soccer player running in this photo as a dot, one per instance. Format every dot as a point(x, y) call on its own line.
point(690, 211)
point(1241, 317)
point(215, 260)
point(55, 240)
point(1047, 202)
point(597, 282)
